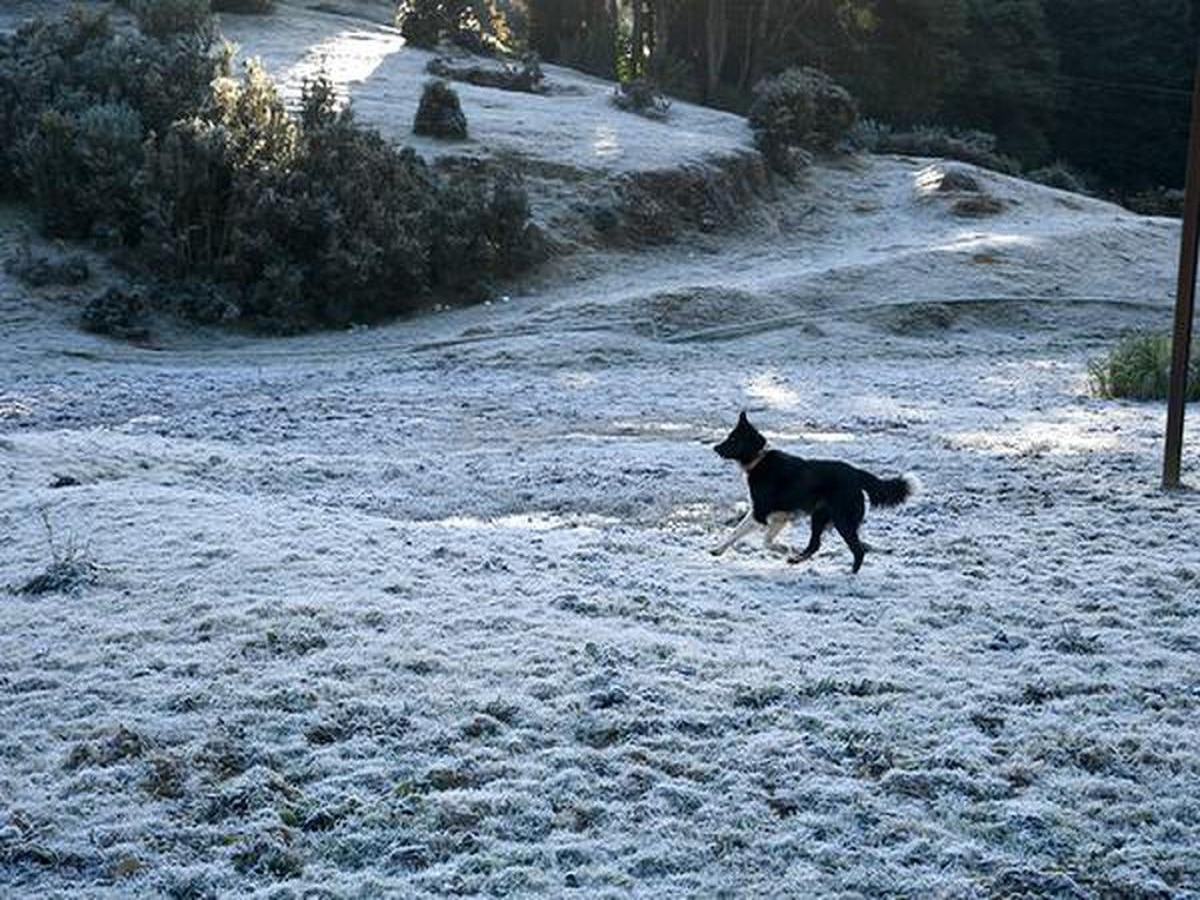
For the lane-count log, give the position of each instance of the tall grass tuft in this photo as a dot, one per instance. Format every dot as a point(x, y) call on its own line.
point(1139, 368)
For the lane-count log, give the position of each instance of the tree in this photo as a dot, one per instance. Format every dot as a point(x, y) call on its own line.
point(1011, 82)
point(1127, 68)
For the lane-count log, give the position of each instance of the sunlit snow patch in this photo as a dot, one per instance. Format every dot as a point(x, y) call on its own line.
point(1037, 437)
point(534, 521)
point(350, 57)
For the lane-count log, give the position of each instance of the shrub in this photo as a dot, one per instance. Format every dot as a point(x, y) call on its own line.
point(1154, 202)
point(77, 63)
point(82, 168)
point(248, 213)
point(160, 18)
point(976, 147)
point(524, 77)
point(1060, 175)
point(37, 70)
point(425, 22)
point(318, 102)
point(439, 114)
point(193, 176)
point(255, 7)
point(800, 108)
point(518, 243)
point(187, 186)
point(116, 313)
point(261, 134)
point(42, 271)
point(1139, 368)
point(476, 25)
point(343, 237)
point(642, 97)
point(321, 222)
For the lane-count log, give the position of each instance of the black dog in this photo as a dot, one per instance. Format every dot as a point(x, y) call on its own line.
point(783, 486)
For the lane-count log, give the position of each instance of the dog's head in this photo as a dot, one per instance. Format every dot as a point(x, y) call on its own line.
point(743, 443)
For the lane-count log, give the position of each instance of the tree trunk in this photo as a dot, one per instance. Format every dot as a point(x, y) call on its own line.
point(716, 34)
point(662, 25)
point(637, 41)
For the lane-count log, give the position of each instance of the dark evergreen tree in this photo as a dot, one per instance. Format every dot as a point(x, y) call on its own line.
point(1011, 81)
point(1127, 69)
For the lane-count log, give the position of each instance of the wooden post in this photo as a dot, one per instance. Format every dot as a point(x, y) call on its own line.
point(1185, 302)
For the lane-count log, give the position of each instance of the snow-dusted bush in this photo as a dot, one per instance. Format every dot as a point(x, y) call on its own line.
point(209, 184)
point(977, 147)
point(195, 176)
point(254, 7)
point(37, 270)
point(801, 108)
point(524, 76)
point(116, 313)
point(82, 168)
point(425, 22)
point(642, 97)
point(317, 221)
point(479, 26)
point(1060, 175)
point(91, 81)
point(343, 235)
point(1159, 201)
point(439, 113)
point(1139, 368)
point(166, 17)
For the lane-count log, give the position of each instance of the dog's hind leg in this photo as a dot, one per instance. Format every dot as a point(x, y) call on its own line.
point(820, 521)
point(744, 527)
point(846, 522)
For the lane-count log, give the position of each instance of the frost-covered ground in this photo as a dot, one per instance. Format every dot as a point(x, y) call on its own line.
point(426, 609)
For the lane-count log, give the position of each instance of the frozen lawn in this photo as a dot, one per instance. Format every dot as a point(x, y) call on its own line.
point(426, 609)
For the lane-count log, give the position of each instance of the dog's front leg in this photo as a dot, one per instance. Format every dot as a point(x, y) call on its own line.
point(744, 527)
point(776, 522)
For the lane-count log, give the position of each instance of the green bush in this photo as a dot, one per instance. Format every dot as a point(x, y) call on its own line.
point(976, 147)
point(318, 222)
point(801, 108)
point(439, 113)
point(118, 314)
point(1159, 201)
point(425, 22)
point(160, 18)
point(262, 136)
point(198, 173)
point(70, 64)
point(343, 237)
point(187, 191)
point(480, 26)
point(255, 7)
point(1139, 368)
point(243, 211)
point(1060, 175)
point(82, 168)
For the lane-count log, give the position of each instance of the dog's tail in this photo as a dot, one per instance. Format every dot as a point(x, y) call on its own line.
point(890, 491)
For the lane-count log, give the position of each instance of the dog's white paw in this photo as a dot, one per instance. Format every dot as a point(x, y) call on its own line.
point(797, 558)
